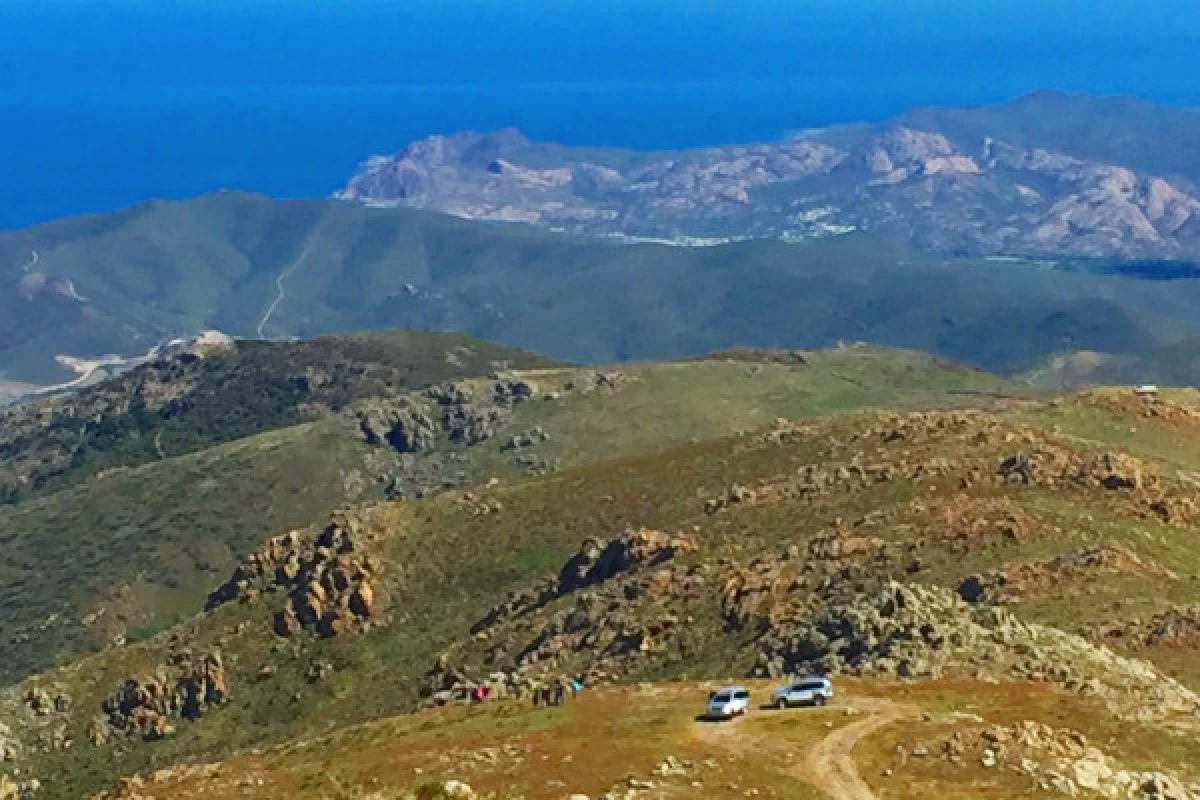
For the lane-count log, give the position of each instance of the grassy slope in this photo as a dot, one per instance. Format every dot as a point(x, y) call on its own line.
point(254, 387)
point(671, 404)
point(147, 544)
point(451, 550)
point(150, 542)
point(214, 261)
point(462, 562)
point(449, 563)
point(604, 737)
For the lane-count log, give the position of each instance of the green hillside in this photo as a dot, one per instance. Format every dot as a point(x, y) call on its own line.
point(255, 267)
point(729, 535)
point(186, 402)
point(148, 543)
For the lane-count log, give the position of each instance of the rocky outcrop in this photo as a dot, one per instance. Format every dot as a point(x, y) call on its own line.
point(922, 631)
point(1057, 760)
point(474, 412)
point(597, 562)
point(328, 579)
point(1176, 627)
point(612, 603)
point(184, 688)
point(10, 745)
point(1017, 578)
point(405, 426)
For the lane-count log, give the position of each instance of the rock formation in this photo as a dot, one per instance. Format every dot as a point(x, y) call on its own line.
point(328, 579)
point(184, 688)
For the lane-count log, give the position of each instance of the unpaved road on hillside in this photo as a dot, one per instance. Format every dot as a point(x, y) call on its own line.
point(829, 764)
point(280, 292)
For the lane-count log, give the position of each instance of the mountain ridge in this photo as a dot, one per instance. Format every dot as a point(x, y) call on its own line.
point(123, 283)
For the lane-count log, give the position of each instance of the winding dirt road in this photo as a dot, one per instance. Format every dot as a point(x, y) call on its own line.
point(280, 292)
point(829, 764)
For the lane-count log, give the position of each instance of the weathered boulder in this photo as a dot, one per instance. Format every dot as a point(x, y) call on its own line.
point(320, 574)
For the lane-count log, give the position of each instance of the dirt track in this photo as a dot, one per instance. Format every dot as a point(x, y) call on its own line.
point(829, 764)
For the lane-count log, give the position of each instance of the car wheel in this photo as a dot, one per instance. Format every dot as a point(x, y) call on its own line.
point(819, 700)
point(781, 704)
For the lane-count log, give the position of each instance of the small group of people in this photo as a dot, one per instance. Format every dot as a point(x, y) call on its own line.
point(555, 695)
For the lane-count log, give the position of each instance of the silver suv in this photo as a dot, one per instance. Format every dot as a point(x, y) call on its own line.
point(811, 691)
point(727, 703)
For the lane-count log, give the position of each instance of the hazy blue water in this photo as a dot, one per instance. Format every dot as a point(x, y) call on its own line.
point(104, 103)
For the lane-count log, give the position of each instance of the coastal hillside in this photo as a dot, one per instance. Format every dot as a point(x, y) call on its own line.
point(80, 289)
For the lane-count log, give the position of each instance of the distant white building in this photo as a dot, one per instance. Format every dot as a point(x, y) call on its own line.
point(1146, 390)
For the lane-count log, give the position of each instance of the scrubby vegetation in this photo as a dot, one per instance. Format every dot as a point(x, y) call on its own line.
point(187, 402)
point(1008, 563)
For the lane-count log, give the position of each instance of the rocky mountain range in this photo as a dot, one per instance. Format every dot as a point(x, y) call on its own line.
point(1000, 181)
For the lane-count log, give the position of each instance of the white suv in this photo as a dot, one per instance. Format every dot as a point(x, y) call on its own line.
point(814, 691)
point(731, 701)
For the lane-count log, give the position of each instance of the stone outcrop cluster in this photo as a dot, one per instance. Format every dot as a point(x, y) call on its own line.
point(1059, 761)
point(144, 707)
point(1024, 576)
point(328, 579)
point(925, 631)
point(405, 426)
point(472, 413)
point(628, 597)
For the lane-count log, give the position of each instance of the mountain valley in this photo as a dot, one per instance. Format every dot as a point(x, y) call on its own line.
point(253, 267)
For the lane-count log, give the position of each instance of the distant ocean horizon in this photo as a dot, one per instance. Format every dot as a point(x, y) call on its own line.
point(106, 105)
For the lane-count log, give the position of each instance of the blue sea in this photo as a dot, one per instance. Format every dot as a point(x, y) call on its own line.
point(105, 103)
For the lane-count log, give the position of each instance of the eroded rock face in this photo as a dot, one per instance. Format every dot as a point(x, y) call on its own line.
point(472, 413)
point(597, 562)
point(900, 182)
point(612, 584)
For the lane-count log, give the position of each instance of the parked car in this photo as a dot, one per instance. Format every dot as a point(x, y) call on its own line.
point(811, 691)
point(728, 702)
